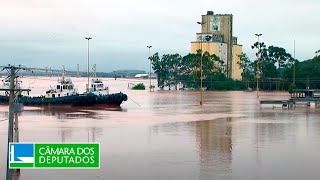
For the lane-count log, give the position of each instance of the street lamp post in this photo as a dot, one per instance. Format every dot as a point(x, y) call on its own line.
point(258, 63)
point(201, 23)
point(88, 73)
point(149, 68)
point(294, 62)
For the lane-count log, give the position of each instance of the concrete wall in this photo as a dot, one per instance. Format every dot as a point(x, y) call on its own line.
point(236, 70)
point(219, 49)
point(224, 28)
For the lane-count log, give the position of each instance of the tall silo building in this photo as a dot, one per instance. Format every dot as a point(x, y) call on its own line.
point(216, 37)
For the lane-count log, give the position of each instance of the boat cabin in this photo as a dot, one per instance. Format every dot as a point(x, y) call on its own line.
point(98, 88)
point(65, 87)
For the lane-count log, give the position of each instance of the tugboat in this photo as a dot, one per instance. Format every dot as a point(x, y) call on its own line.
point(4, 95)
point(6, 85)
point(65, 94)
point(63, 88)
point(98, 88)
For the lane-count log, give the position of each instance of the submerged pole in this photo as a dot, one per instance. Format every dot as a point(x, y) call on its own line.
point(201, 78)
point(149, 68)
point(258, 64)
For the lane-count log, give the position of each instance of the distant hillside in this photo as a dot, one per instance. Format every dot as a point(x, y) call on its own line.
point(117, 73)
point(309, 68)
point(307, 73)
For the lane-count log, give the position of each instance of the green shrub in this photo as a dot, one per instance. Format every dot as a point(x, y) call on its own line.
point(139, 86)
point(292, 87)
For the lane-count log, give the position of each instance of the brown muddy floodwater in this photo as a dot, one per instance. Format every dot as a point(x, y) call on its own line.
point(166, 135)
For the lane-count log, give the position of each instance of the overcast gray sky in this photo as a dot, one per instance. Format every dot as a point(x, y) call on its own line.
point(42, 33)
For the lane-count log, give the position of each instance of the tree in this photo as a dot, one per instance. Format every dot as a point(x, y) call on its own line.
point(212, 65)
point(159, 67)
point(167, 68)
point(308, 73)
point(174, 65)
point(247, 67)
point(190, 70)
point(288, 69)
point(279, 55)
point(264, 63)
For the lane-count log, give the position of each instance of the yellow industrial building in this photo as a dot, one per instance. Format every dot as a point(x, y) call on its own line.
point(216, 38)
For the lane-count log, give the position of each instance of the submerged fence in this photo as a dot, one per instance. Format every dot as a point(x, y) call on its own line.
point(267, 84)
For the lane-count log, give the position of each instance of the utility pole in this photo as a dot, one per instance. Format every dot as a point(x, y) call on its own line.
point(258, 63)
point(294, 62)
point(11, 115)
point(149, 68)
point(201, 23)
point(11, 126)
point(17, 109)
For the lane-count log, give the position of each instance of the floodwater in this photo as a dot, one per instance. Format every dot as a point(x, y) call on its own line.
point(166, 135)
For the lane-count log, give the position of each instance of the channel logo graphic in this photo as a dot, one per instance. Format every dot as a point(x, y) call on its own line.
point(21, 155)
point(54, 155)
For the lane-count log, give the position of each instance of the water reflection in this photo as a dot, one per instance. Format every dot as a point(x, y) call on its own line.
point(213, 143)
point(250, 147)
point(214, 140)
point(65, 134)
point(62, 113)
point(93, 133)
point(187, 102)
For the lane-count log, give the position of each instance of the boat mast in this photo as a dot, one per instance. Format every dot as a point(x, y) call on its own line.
point(63, 74)
point(94, 71)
